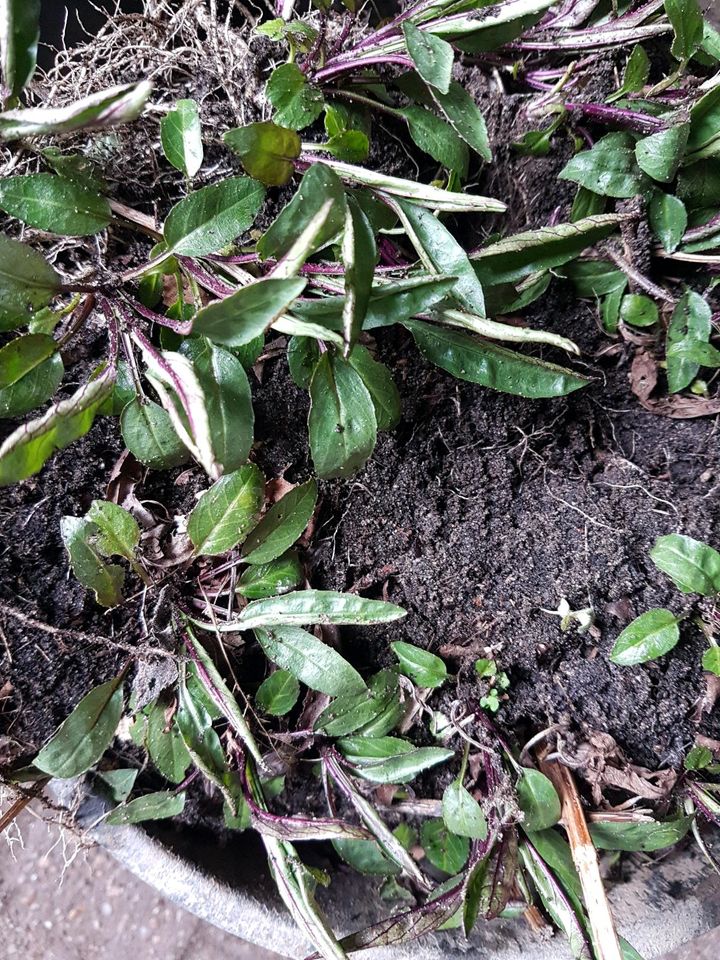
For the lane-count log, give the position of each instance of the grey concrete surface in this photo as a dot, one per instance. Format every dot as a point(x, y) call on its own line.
point(63, 900)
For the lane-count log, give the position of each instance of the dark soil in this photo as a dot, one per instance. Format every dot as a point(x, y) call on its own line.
point(479, 511)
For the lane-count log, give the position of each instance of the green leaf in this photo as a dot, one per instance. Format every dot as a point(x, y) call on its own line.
point(153, 806)
point(538, 800)
point(342, 421)
point(441, 253)
point(228, 401)
point(84, 736)
point(649, 636)
point(249, 313)
point(668, 219)
point(150, 436)
point(698, 758)
point(432, 56)
point(637, 71)
point(271, 579)
point(660, 155)
point(366, 856)
point(54, 204)
point(645, 836)
point(278, 694)
point(687, 24)
point(464, 117)
point(609, 168)
point(388, 759)
point(306, 607)
point(26, 450)
point(423, 667)
point(27, 283)
point(312, 662)
point(105, 579)
point(380, 385)
point(694, 567)
point(181, 136)
point(297, 103)
point(711, 660)
point(480, 361)
point(437, 138)
point(638, 310)
point(108, 108)
point(119, 533)
point(562, 912)
point(318, 185)
point(30, 373)
point(165, 744)
point(119, 783)
point(514, 257)
point(594, 278)
point(442, 848)
point(282, 524)
point(352, 146)
point(690, 323)
point(266, 150)
point(19, 35)
point(462, 813)
point(227, 511)
point(212, 217)
point(359, 256)
point(369, 712)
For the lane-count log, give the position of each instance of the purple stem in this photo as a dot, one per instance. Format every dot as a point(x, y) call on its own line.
point(393, 26)
point(240, 258)
point(177, 325)
point(631, 119)
point(340, 42)
point(187, 781)
point(698, 799)
point(337, 67)
point(177, 384)
point(213, 284)
point(701, 232)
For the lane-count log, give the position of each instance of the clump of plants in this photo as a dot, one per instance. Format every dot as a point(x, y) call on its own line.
point(309, 248)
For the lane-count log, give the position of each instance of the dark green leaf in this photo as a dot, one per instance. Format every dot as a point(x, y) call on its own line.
point(480, 361)
point(594, 278)
point(366, 857)
point(19, 35)
point(153, 806)
point(668, 219)
point(465, 117)
point(105, 579)
point(250, 312)
point(462, 813)
point(645, 836)
point(282, 524)
point(432, 56)
point(555, 902)
point(118, 530)
point(649, 636)
point(30, 373)
point(441, 253)
point(84, 736)
point(442, 848)
point(660, 155)
point(181, 136)
point(638, 310)
point(271, 579)
point(227, 511)
point(54, 204)
point(318, 185)
point(694, 567)
point(538, 800)
point(266, 150)
point(312, 662)
point(212, 217)
point(150, 436)
point(690, 323)
point(390, 760)
point(423, 667)
point(165, 744)
point(516, 256)
point(637, 71)
point(609, 168)
point(374, 712)
point(278, 694)
point(228, 402)
point(342, 421)
point(27, 283)
point(297, 103)
point(352, 146)
point(359, 256)
point(437, 138)
point(380, 385)
point(687, 23)
point(26, 450)
point(119, 783)
point(22, 355)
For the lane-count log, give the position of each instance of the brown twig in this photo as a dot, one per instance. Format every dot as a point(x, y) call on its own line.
point(17, 806)
point(586, 862)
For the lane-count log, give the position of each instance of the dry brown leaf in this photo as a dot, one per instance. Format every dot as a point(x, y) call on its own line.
point(643, 375)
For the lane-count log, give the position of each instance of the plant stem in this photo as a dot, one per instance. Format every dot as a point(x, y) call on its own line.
point(78, 322)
